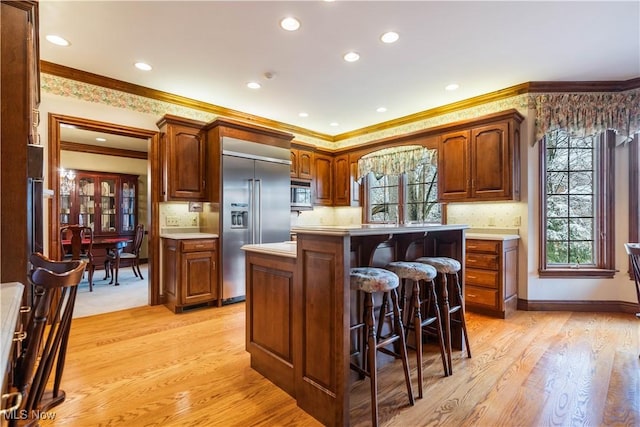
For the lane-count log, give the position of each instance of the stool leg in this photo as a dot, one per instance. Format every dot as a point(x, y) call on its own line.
point(463, 322)
point(433, 297)
point(446, 318)
point(369, 321)
point(403, 344)
point(417, 332)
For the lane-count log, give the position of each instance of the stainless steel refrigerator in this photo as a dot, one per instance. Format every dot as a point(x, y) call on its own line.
point(255, 205)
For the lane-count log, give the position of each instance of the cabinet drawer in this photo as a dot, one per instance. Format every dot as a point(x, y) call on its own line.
point(490, 246)
point(484, 278)
point(198, 245)
point(481, 296)
point(482, 261)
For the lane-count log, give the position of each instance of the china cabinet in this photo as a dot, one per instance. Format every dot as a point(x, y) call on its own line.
point(106, 202)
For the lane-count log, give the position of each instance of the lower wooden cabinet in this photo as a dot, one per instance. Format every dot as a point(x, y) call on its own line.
point(491, 276)
point(189, 272)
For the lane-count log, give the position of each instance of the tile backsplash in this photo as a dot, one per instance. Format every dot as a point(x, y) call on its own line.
point(482, 215)
point(177, 215)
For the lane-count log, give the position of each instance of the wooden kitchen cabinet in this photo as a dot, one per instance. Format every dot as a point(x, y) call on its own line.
point(491, 276)
point(184, 154)
point(346, 189)
point(189, 272)
point(301, 164)
point(323, 180)
point(481, 162)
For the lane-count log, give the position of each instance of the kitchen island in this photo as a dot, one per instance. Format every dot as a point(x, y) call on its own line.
point(300, 306)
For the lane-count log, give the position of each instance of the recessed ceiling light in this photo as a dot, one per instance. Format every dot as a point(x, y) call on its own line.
point(57, 40)
point(334, 124)
point(143, 66)
point(101, 139)
point(389, 37)
point(253, 85)
point(303, 114)
point(351, 56)
point(381, 109)
point(290, 23)
point(452, 86)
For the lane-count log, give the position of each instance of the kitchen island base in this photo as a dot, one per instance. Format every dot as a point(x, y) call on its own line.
point(298, 324)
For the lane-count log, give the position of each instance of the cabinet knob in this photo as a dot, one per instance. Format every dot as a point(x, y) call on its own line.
point(25, 309)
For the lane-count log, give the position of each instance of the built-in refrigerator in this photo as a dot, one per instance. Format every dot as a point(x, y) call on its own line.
point(255, 205)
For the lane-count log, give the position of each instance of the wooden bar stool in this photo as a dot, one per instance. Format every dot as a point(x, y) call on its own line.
point(370, 280)
point(450, 267)
point(418, 272)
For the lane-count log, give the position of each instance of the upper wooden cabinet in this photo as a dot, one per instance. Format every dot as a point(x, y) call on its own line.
point(323, 180)
point(184, 154)
point(346, 189)
point(482, 161)
point(301, 164)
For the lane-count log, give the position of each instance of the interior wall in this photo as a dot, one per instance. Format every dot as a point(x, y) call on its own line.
point(104, 105)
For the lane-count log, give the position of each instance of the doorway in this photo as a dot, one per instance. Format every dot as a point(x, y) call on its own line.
point(128, 142)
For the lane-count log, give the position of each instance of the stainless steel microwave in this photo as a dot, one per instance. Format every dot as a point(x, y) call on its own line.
point(301, 196)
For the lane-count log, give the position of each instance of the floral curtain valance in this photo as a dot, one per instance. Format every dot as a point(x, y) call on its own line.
point(394, 161)
point(583, 114)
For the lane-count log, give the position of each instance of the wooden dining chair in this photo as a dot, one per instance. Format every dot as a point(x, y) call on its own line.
point(80, 248)
point(55, 285)
point(633, 250)
point(133, 256)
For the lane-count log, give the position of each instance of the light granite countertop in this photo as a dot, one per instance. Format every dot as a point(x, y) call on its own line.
point(185, 236)
point(287, 249)
point(373, 229)
point(10, 301)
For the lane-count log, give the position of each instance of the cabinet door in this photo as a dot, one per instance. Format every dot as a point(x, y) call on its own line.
point(86, 205)
point(128, 204)
point(342, 181)
point(490, 162)
point(323, 181)
point(199, 279)
point(106, 194)
point(305, 164)
point(67, 198)
point(294, 163)
point(185, 164)
point(453, 166)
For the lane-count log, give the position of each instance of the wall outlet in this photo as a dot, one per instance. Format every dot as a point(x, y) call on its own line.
point(517, 221)
point(492, 221)
point(172, 221)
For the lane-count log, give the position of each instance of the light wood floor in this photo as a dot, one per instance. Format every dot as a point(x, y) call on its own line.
point(150, 367)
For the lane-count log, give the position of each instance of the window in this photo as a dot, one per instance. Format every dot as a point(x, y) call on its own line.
point(408, 197)
point(577, 205)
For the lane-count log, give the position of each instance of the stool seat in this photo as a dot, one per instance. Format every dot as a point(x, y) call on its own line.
point(372, 279)
point(412, 270)
point(443, 265)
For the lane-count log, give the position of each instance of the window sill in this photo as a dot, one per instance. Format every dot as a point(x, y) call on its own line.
point(577, 273)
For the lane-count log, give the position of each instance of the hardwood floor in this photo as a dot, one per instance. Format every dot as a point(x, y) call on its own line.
point(148, 366)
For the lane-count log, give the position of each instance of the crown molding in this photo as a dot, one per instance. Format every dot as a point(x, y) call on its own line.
point(520, 89)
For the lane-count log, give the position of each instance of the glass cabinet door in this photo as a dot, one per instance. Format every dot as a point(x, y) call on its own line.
point(128, 204)
point(86, 201)
point(108, 205)
point(67, 191)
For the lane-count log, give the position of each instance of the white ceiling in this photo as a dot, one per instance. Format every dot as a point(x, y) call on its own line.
point(209, 50)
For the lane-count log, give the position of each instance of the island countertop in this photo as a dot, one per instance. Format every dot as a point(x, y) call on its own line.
point(374, 229)
point(185, 236)
point(287, 249)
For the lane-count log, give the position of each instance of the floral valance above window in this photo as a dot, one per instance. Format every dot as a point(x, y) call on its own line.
point(584, 114)
point(394, 161)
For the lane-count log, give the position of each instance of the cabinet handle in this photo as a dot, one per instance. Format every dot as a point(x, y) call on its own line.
point(471, 277)
point(471, 261)
point(472, 295)
point(472, 247)
point(19, 336)
point(25, 309)
point(6, 397)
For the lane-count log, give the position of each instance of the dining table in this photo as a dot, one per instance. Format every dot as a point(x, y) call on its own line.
point(111, 245)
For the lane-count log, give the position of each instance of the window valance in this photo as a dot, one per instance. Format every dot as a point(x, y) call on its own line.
point(584, 114)
point(394, 160)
